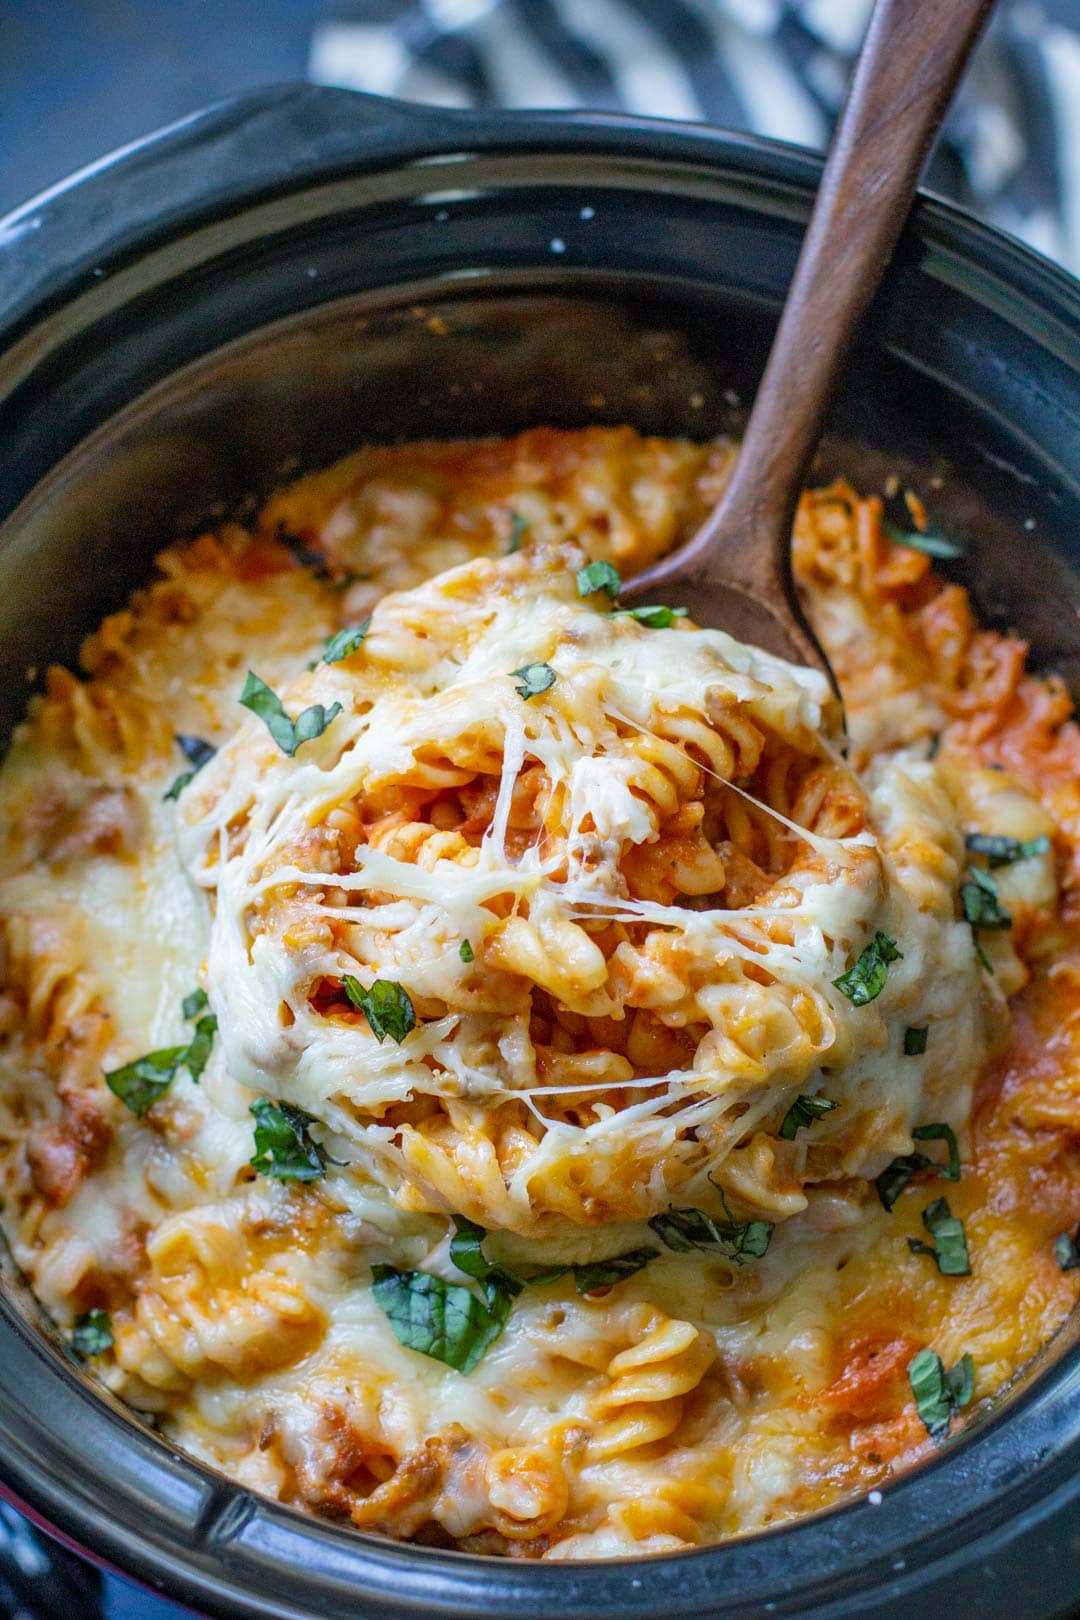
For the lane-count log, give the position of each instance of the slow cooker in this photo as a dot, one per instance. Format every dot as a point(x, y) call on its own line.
point(262, 287)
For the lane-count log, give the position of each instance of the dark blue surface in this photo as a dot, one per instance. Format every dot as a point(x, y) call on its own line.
point(78, 80)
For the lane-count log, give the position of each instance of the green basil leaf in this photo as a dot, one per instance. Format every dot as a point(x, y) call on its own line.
point(466, 952)
point(1067, 1250)
point(686, 1229)
point(960, 1381)
point(312, 722)
point(198, 753)
point(605, 1273)
point(194, 1004)
point(979, 898)
point(519, 528)
point(288, 734)
point(467, 1253)
point(178, 784)
point(548, 1274)
point(141, 1083)
point(466, 1248)
point(345, 643)
point(895, 1177)
point(439, 1319)
point(652, 617)
point(938, 1394)
point(386, 1006)
point(92, 1334)
point(598, 576)
point(803, 1111)
point(284, 1149)
point(535, 678)
point(263, 701)
point(197, 1052)
point(934, 545)
point(865, 980)
point(593, 1274)
point(196, 750)
point(915, 1041)
point(950, 1248)
point(946, 1134)
point(1001, 850)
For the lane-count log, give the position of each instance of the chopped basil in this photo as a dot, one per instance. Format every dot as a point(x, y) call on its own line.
point(92, 1334)
point(595, 1274)
point(288, 734)
point(197, 1052)
point(590, 1275)
point(934, 545)
point(466, 1248)
point(946, 1134)
point(198, 753)
point(141, 1083)
point(345, 642)
point(653, 618)
point(284, 1149)
point(466, 952)
point(535, 678)
point(519, 528)
point(1067, 1250)
point(467, 1253)
point(865, 980)
point(938, 1394)
point(895, 1177)
point(915, 1041)
point(979, 898)
point(439, 1319)
point(949, 1248)
point(386, 1006)
point(686, 1229)
point(598, 576)
point(1001, 850)
point(196, 750)
point(803, 1111)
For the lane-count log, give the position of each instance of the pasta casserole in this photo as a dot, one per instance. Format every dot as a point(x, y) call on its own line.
point(513, 1071)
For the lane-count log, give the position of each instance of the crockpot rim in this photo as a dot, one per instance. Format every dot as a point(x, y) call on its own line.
point(227, 1510)
point(371, 133)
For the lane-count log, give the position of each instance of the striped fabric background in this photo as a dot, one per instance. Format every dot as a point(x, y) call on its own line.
point(1010, 149)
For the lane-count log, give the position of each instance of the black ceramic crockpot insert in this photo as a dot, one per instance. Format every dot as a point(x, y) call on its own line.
point(264, 286)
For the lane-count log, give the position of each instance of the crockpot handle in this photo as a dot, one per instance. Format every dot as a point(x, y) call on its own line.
point(253, 145)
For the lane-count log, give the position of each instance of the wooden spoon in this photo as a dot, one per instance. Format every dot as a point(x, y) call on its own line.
point(735, 573)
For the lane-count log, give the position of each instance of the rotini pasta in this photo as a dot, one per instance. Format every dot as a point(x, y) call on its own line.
point(471, 1057)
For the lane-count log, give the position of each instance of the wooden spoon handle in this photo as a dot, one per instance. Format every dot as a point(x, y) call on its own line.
point(911, 60)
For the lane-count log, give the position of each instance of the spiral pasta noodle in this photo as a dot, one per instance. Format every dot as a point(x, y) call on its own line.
point(455, 1033)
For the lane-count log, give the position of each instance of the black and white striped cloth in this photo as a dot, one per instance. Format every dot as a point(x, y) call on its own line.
point(1010, 148)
